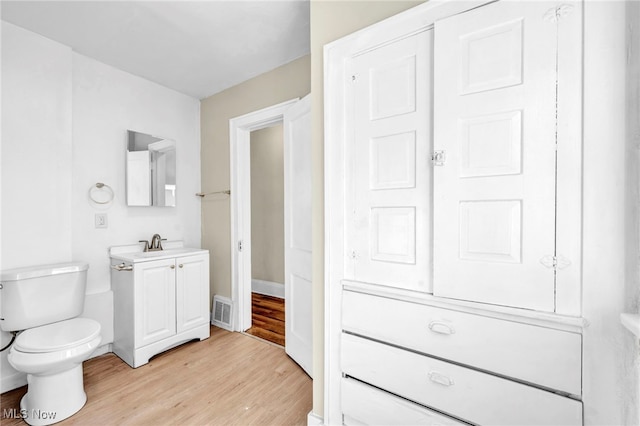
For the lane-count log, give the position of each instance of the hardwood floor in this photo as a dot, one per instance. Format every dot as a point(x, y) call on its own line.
point(267, 318)
point(228, 379)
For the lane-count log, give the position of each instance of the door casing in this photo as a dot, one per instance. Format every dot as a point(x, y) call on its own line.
point(240, 129)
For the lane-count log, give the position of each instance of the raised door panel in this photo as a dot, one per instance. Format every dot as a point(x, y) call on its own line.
point(388, 235)
point(155, 294)
point(495, 121)
point(192, 291)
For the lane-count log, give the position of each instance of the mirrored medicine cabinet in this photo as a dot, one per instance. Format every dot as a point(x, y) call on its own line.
point(151, 170)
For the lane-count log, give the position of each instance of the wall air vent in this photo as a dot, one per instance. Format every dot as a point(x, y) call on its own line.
point(221, 313)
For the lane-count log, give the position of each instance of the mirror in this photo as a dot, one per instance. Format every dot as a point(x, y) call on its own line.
point(151, 170)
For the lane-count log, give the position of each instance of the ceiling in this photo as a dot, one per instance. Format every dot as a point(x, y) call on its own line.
point(195, 47)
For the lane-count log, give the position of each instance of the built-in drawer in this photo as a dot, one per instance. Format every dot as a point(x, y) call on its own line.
point(461, 392)
point(543, 356)
point(366, 405)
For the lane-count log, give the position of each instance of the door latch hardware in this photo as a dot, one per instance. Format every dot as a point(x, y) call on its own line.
point(438, 158)
point(240, 245)
point(556, 14)
point(555, 262)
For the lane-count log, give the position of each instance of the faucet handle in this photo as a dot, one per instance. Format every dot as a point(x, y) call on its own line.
point(146, 244)
point(160, 243)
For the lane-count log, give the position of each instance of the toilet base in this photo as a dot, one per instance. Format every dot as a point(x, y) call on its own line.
point(53, 398)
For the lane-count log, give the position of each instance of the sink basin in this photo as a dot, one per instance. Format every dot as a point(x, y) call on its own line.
point(161, 253)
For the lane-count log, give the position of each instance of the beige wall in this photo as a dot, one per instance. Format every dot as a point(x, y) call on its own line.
point(289, 81)
point(267, 204)
point(330, 20)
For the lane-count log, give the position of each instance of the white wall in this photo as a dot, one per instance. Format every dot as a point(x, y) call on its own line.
point(36, 160)
point(107, 102)
point(36, 134)
point(64, 123)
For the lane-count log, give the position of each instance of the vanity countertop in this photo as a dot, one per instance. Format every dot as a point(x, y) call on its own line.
point(134, 253)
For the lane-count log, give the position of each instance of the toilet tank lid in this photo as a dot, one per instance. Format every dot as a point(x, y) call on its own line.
point(42, 271)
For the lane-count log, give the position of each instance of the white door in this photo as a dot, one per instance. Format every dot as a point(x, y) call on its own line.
point(389, 176)
point(192, 291)
point(297, 232)
point(495, 140)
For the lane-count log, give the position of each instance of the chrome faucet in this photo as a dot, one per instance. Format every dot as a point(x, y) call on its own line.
point(156, 242)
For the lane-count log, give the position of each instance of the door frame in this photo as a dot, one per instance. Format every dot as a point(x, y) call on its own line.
point(240, 129)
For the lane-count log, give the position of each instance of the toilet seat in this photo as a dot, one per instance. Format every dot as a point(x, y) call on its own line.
point(57, 336)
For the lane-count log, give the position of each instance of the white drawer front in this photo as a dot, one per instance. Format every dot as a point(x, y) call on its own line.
point(464, 393)
point(543, 356)
point(365, 405)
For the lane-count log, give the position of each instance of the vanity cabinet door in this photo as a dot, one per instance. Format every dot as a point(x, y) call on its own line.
point(192, 291)
point(155, 296)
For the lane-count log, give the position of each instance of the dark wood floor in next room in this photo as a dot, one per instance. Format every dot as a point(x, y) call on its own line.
point(267, 318)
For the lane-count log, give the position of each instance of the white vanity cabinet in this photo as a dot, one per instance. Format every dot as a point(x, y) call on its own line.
point(161, 301)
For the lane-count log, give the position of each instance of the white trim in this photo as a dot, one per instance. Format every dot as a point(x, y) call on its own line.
point(268, 288)
point(240, 129)
point(336, 59)
point(314, 419)
point(104, 349)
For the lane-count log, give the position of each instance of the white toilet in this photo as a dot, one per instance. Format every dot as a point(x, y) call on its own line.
point(44, 301)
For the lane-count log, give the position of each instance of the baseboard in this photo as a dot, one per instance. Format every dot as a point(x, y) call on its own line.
point(104, 349)
point(314, 419)
point(13, 381)
point(268, 288)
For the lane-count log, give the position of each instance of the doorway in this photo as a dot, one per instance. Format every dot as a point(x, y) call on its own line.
point(296, 118)
point(267, 234)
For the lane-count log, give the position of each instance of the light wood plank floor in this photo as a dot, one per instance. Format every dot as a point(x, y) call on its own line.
point(228, 379)
point(267, 318)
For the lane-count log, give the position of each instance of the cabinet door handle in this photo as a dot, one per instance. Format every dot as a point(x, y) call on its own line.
point(172, 266)
point(181, 265)
point(440, 379)
point(441, 327)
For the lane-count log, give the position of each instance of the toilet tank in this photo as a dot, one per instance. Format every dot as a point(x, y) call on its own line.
point(39, 295)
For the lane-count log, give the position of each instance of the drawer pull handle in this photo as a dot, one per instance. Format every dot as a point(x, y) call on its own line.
point(441, 327)
point(440, 379)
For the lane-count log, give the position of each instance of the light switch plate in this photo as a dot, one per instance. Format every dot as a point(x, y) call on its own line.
point(101, 220)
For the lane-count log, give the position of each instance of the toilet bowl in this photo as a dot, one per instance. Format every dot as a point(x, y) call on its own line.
point(52, 357)
point(42, 304)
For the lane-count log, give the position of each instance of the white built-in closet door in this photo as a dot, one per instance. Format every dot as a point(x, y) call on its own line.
point(495, 121)
point(389, 184)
